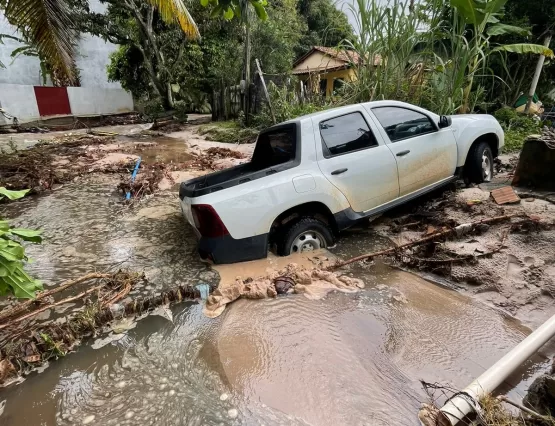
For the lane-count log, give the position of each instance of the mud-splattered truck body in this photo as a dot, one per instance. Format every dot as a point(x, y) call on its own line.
point(311, 177)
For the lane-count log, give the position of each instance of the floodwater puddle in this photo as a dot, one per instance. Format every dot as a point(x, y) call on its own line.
point(347, 359)
point(163, 149)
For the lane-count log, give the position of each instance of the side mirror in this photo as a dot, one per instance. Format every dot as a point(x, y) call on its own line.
point(444, 122)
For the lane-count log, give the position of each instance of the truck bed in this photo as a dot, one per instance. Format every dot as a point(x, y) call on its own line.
point(218, 181)
point(277, 149)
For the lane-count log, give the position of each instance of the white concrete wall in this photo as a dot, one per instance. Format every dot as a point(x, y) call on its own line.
point(92, 57)
point(19, 101)
point(87, 101)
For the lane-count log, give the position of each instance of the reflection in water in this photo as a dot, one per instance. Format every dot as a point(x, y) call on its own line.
point(344, 360)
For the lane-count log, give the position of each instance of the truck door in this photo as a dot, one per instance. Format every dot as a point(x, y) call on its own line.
point(354, 158)
point(425, 154)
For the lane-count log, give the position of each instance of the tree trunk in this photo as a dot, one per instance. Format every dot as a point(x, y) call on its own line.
point(247, 70)
point(537, 74)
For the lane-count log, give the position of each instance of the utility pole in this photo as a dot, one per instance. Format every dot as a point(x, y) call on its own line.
point(537, 74)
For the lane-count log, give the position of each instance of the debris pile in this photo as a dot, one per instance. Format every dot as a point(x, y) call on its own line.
point(211, 159)
point(314, 283)
point(48, 164)
point(146, 181)
point(25, 344)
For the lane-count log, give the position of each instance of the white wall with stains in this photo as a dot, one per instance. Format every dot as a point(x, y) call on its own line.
point(93, 56)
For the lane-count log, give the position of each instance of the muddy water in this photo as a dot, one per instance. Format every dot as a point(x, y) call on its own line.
point(344, 360)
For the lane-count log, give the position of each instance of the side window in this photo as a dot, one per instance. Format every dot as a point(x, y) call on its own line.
point(347, 133)
point(402, 123)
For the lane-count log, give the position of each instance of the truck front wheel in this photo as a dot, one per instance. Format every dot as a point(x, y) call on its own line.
point(479, 163)
point(305, 235)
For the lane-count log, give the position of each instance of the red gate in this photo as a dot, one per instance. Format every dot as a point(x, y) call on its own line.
point(52, 101)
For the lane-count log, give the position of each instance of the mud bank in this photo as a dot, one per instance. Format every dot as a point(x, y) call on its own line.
point(61, 158)
point(509, 265)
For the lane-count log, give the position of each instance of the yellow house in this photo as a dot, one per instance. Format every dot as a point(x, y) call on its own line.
point(324, 69)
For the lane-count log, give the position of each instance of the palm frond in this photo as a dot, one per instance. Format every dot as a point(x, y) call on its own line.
point(47, 25)
point(175, 10)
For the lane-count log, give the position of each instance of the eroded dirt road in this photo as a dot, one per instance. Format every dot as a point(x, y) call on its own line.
point(346, 359)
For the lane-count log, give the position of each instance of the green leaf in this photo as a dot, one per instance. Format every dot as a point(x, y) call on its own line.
point(523, 48)
point(4, 271)
point(12, 253)
point(27, 235)
point(469, 10)
point(10, 266)
point(204, 2)
point(4, 225)
point(23, 288)
point(495, 6)
point(502, 29)
point(12, 195)
point(260, 10)
point(228, 14)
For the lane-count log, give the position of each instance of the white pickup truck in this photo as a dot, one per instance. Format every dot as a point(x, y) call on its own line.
point(311, 177)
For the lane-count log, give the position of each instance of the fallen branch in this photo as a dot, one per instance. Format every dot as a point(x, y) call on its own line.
point(24, 306)
point(33, 345)
point(459, 230)
point(50, 305)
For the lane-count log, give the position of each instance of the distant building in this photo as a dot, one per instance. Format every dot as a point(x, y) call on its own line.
point(325, 69)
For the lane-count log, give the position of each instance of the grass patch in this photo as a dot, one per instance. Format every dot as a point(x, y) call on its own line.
point(494, 413)
point(515, 138)
point(228, 132)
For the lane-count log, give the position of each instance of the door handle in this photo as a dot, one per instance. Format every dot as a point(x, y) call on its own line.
point(403, 153)
point(338, 172)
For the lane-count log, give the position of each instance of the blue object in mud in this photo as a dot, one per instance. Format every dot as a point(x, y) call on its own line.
point(133, 176)
point(204, 290)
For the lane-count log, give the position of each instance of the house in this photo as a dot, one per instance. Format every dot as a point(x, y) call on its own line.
point(325, 69)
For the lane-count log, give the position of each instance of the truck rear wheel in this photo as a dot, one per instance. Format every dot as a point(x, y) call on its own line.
point(305, 235)
point(479, 163)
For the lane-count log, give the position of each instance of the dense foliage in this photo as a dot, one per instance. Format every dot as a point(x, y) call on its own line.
point(13, 279)
point(189, 70)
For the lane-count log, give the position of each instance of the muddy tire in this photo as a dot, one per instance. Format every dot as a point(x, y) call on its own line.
point(479, 163)
point(303, 235)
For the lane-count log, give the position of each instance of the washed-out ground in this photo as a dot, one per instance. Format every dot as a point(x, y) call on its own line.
point(345, 359)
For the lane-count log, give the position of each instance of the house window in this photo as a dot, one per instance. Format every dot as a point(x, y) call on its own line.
point(346, 133)
point(402, 123)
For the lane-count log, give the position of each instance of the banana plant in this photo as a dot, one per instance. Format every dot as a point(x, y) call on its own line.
point(13, 279)
point(482, 16)
point(236, 8)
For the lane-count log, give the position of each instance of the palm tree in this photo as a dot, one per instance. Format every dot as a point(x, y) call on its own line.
point(47, 25)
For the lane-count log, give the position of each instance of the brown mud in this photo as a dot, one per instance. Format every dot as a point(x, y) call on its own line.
point(507, 265)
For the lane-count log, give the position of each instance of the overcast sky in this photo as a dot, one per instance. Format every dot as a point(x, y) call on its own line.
point(344, 5)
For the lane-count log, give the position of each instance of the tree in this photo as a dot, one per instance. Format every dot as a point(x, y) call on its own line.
point(484, 23)
point(326, 25)
point(48, 25)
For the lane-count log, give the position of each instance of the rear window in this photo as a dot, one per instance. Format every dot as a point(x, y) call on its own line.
point(275, 147)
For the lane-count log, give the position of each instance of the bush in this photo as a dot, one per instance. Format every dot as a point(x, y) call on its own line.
point(287, 105)
point(152, 108)
point(513, 120)
point(181, 109)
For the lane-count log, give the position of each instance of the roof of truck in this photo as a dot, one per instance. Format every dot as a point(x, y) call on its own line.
point(372, 104)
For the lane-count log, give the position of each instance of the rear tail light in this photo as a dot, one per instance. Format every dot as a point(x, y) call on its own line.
point(208, 222)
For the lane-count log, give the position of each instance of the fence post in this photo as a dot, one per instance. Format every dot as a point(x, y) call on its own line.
point(265, 90)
